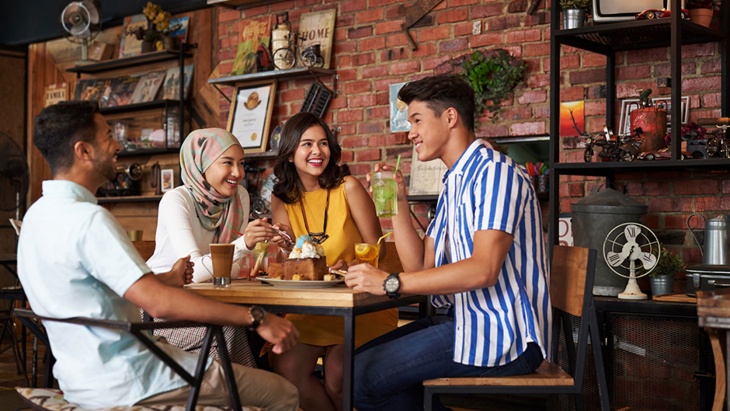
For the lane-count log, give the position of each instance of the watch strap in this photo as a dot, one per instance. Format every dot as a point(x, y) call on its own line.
point(394, 293)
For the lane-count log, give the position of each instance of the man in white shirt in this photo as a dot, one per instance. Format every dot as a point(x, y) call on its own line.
point(483, 255)
point(74, 259)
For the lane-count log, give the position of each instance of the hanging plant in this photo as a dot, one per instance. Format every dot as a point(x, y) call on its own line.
point(493, 76)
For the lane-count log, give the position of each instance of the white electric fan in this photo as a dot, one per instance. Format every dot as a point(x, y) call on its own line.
point(82, 21)
point(631, 250)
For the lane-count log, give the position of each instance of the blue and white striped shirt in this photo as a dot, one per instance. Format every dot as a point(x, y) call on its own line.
point(486, 190)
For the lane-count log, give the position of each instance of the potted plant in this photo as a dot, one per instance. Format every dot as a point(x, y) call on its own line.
point(493, 75)
point(574, 13)
point(700, 11)
point(661, 277)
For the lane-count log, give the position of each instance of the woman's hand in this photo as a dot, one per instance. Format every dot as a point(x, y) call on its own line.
point(340, 265)
point(284, 237)
point(258, 231)
point(180, 274)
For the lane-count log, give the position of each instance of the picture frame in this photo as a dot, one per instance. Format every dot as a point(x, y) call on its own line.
point(398, 110)
point(317, 27)
point(250, 115)
point(630, 104)
point(430, 176)
point(167, 179)
point(254, 32)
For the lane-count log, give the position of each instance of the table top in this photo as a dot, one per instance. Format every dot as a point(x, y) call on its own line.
point(8, 258)
point(713, 308)
point(256, 292)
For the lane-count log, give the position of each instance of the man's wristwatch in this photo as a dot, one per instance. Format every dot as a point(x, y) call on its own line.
point(257, 315)
point(391, 285)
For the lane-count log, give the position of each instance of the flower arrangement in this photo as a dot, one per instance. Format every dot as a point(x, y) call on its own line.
point(691, 131)
point(158, 24)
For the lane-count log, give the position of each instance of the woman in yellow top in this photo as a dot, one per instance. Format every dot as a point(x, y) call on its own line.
point(317, 196)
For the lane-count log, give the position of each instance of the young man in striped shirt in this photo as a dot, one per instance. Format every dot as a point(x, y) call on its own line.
point(483, 256)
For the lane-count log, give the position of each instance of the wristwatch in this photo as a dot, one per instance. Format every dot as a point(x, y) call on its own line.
point(391, 285)
point(257, 315)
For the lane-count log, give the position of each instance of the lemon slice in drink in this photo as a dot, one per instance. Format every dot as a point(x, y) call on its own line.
point(366, 251)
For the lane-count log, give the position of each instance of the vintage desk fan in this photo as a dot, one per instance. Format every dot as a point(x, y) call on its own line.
point(82, 21)
point(631, 250)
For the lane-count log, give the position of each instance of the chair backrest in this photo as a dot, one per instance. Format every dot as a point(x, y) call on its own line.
point(391, 262)
point(568, 278)
point(571, 294)
point(144, 248)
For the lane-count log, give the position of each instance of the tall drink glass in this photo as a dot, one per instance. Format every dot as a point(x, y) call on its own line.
point(385, 193)
point(367, 253)
point(222, 257)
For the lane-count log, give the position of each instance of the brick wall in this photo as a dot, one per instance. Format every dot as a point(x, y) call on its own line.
point(371, 52)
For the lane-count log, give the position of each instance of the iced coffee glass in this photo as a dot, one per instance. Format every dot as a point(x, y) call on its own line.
point(222, 257)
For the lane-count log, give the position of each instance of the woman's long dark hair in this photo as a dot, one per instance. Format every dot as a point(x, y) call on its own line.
point(289, 187)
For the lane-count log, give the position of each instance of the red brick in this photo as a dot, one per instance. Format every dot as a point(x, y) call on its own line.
point(353, 141)
point(367, 155)
point(369, 16)
point(361, 32)
point(486, 39)
point(388, 27)
point(523, 36)
point(665, 70)
point(406, 67)
point(533, 96)
point(696, 186)
point(711, 66)
point(587, 76)
point(572, 93)
point(528, 129)
point(353, 5)
point(345, 116)
point(397, 40)
point(699, 50)
point(373, 43)
point(568, 62)
point(375, 71)
point(360, 101)
point(701, 84)
point(711, 100)
point(452, 15)
point(463, 28)
point(593, 60)
point(424, 34)
point(228, 15)
point(363, 59)
point(454, 45)
point(290, 95)
point(633, 72)
point(393, 54)
point(487, 10)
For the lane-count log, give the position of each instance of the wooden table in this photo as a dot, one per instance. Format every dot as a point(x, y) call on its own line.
point(713, 312)
point(337, 301)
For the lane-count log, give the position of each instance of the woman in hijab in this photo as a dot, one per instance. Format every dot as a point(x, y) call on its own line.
point(210, 207)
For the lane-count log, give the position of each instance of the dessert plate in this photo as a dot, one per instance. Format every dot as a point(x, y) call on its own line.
point(300, 284)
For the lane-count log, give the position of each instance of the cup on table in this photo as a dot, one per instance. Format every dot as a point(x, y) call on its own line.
point(222, 257)
point(385, 193)
point(367, 253)
point(135, 235)
point(259, 260)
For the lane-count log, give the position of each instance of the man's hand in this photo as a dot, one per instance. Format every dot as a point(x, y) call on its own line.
point(365, 277)
point(278, 331)
point(180, 274)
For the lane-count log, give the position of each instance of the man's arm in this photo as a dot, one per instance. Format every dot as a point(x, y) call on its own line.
point(481, 270)
point(173, 303)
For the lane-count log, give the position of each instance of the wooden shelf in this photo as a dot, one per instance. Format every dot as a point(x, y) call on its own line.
point(633, 35)
point(612, 167)
point(146, 58)
point(266, 155)
point(298, 72)
point(139, 106)
point(148, 152)
point(129, 199)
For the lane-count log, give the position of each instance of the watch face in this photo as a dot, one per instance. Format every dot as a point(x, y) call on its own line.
point(258, 313)
point(392, 284)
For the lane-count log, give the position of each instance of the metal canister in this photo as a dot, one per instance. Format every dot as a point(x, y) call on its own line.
point(593, 218)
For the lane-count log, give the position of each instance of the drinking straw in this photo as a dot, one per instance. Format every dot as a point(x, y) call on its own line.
point(397, 164)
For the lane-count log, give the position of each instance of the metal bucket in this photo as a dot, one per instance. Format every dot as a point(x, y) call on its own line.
point(573, 18)
point(593, 218)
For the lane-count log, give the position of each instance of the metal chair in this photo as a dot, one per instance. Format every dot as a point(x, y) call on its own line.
point(37, 397)
point(571, 294)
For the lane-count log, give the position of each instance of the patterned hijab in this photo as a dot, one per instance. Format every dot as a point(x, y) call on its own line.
point(199, 150)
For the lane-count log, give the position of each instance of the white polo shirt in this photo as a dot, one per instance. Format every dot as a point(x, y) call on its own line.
point(486, 190)
point(75, 260)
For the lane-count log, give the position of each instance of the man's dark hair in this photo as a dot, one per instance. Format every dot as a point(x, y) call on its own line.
point(289, 188)
point(440, 93)
point(58, 127)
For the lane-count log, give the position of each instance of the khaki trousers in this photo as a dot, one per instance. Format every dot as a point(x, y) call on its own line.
point(256, 388)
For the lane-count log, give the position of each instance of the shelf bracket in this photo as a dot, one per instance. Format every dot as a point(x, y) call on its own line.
point(221, 92)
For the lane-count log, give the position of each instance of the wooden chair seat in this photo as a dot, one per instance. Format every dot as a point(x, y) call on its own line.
point(48, 399)
point(547, 374)
point(145, 248)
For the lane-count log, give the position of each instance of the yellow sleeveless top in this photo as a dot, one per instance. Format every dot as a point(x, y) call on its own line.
point(340, 245)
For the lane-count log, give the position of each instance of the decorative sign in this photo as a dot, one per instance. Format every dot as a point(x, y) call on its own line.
point(55, 93)
point(318, 28)
point(429, 176)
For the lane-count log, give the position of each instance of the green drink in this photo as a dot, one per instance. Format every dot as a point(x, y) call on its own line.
point(385, 194)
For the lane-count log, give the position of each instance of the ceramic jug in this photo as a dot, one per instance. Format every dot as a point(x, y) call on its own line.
point(716, 250)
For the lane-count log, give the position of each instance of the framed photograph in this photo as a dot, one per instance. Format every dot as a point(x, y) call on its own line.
point(627, 106)
point(398, 110)
point(250, 114)
point(167, 179)
point(130, 45)
point(430, 176)
point(668, 101)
